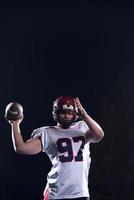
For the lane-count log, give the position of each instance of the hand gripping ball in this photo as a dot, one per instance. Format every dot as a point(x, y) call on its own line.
point(13, 111)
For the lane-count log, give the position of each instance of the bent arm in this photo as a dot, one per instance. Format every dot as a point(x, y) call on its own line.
point(30, 147)
point(95, 132)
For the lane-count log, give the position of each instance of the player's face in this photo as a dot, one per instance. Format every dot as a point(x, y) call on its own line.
point(66, 115)
point(65, 118)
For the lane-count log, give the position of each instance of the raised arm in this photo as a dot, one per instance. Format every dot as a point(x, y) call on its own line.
point(29, 147)
point(95, 132)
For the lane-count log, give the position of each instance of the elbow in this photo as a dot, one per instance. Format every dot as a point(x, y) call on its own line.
point(19, 149)
point(102, 134)
point(99, 135)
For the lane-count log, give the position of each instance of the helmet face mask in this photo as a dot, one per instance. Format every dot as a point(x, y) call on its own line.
point(64, 104)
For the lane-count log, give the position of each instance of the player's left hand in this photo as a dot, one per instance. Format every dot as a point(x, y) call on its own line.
point(82, 114)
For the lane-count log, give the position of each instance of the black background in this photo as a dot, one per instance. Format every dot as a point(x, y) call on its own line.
point(84, 49)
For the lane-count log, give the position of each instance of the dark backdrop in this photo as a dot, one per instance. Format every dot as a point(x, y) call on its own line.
point(82, 49)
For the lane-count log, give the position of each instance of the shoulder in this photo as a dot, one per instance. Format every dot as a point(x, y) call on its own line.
point(43, 129)
point(80, 124)
point(39, 131)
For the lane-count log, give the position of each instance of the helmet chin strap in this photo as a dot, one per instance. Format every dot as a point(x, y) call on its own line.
point(64, 123)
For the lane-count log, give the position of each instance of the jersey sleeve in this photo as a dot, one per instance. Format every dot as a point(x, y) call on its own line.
point(84, 129)
point(84, 126)
point(40, 133)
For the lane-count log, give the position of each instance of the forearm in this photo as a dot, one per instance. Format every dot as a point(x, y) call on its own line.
point(17, 139)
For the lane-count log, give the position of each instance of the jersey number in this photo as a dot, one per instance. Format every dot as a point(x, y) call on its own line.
point(65, 146)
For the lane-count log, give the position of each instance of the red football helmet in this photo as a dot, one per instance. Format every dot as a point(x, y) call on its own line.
point(64, 103)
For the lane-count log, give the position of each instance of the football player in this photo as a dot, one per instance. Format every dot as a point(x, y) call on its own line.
point(67, 146)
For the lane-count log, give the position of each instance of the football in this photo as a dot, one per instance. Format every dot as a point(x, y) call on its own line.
point(13, 111)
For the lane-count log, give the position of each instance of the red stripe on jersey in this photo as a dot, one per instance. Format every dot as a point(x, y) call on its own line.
point(46, 195)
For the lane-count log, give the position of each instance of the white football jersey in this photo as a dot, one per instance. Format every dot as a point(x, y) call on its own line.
point(68, 150)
